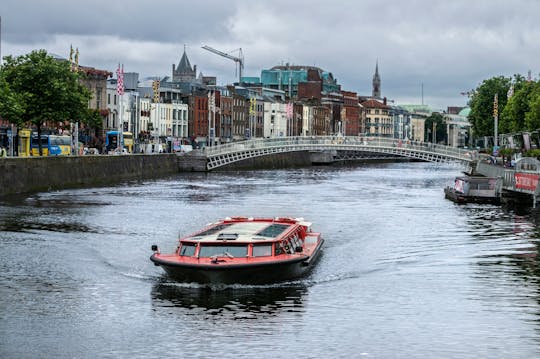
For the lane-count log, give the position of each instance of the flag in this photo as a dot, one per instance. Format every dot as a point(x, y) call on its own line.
point(252, 105)
point(211, 101)
point(155, 87)
point(496, 105)
point(120, 80)
point(510, 92)
point(289, 110)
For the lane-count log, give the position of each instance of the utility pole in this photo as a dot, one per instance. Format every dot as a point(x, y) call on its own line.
point(496, 120)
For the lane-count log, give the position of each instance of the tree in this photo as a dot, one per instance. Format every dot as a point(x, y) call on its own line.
point(482, 104)
point(440, 131)
point(512, 117)
point(46, 90)
point(532, 117)
point(11, 103)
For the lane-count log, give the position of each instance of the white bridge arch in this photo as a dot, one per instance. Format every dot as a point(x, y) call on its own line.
point(223, 155)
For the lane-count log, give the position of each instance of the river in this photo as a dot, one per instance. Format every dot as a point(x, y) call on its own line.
point(404, 272)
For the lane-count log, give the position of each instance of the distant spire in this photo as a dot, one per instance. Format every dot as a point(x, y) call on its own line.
point(184, 72)
point(376, 82)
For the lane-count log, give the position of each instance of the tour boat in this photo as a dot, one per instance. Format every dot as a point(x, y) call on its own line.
point(244, 250)
point(470, 189)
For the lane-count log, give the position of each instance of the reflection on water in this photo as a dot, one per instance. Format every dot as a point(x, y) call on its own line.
point(235, 300)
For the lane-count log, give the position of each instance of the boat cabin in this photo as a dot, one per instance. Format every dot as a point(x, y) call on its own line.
point(476, 186)
point(246, 237)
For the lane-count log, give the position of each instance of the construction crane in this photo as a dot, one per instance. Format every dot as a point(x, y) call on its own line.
point(239, 60)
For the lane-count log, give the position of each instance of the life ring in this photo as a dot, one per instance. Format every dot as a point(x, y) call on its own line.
point(286, 248)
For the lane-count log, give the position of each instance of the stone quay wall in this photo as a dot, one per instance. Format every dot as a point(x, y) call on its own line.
point(274, 161)
point(36, 174)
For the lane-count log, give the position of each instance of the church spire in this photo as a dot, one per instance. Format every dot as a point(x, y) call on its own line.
point(184, 72)
point(376, 82)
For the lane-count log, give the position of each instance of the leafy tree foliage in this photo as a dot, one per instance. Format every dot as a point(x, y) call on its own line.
point(512, 118)
point(11, 103)
point(44, 88)
point(94, 119)
point(481, 116)
point(532, 117)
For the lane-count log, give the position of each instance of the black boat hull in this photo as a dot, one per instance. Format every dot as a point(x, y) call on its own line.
point(260, 273)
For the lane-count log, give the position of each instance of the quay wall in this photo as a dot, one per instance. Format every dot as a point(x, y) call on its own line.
point(36, 174)
point(274, 161)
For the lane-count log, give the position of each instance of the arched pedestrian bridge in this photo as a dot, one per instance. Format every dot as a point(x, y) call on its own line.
point(223, 155)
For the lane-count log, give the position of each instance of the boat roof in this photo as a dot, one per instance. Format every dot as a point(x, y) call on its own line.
point(246, 230)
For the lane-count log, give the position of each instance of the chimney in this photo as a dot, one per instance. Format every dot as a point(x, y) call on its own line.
point(384, 100)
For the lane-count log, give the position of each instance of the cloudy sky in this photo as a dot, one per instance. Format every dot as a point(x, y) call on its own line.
point(444, 47)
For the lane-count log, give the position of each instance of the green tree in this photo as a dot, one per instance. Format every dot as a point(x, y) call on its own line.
point(512, 117)
point(440, 128)
point(481, 116)
point(11, 103)
point(532, 117)
point(45, 88)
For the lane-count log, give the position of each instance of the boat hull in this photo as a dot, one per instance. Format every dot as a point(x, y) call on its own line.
point(259, 273)
point(451, 194)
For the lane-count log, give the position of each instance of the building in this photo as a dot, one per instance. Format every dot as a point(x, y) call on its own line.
point(458, 128)
point(320, 125)
point(350, 114)
point(418, 114)
point(402, 122)
point(307, 81)
point(198, 117)
point(225, 104)
point(184, 72)
point(376, 92)
point(275, 118)
point(379, 121)
point(334, 102)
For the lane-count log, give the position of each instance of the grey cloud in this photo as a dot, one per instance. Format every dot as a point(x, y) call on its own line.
point(450, 46)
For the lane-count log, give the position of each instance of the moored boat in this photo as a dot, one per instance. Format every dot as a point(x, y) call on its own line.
point(469, 189)
point(244, 250)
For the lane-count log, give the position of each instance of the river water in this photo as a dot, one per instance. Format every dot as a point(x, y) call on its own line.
point(404, 272)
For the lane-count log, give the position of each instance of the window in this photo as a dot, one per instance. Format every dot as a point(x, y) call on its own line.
point(273, 230)
point(187, 249)
point(262, 250)
point(222, 250)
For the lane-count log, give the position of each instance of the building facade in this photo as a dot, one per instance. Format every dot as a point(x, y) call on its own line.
point(378, 122)
point(184, 72)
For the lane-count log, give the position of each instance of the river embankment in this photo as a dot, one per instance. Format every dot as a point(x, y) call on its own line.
point(35, 174)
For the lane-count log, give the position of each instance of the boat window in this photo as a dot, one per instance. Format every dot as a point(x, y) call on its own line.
point(187, 249)
point(262, 250)
point(311, 239)
point(223, 250)
point(227, 236)
point(213, 230)
point(273, 230)
point(295, 242)
point(278, 250)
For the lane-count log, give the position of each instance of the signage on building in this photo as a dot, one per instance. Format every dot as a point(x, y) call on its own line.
point(526, 181)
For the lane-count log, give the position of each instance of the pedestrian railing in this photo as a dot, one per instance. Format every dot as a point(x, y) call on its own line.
point(225, 154)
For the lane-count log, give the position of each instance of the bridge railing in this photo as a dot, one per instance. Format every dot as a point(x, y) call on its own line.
point(341, 142)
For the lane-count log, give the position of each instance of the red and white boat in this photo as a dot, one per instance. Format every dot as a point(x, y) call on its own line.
point(244, 250)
